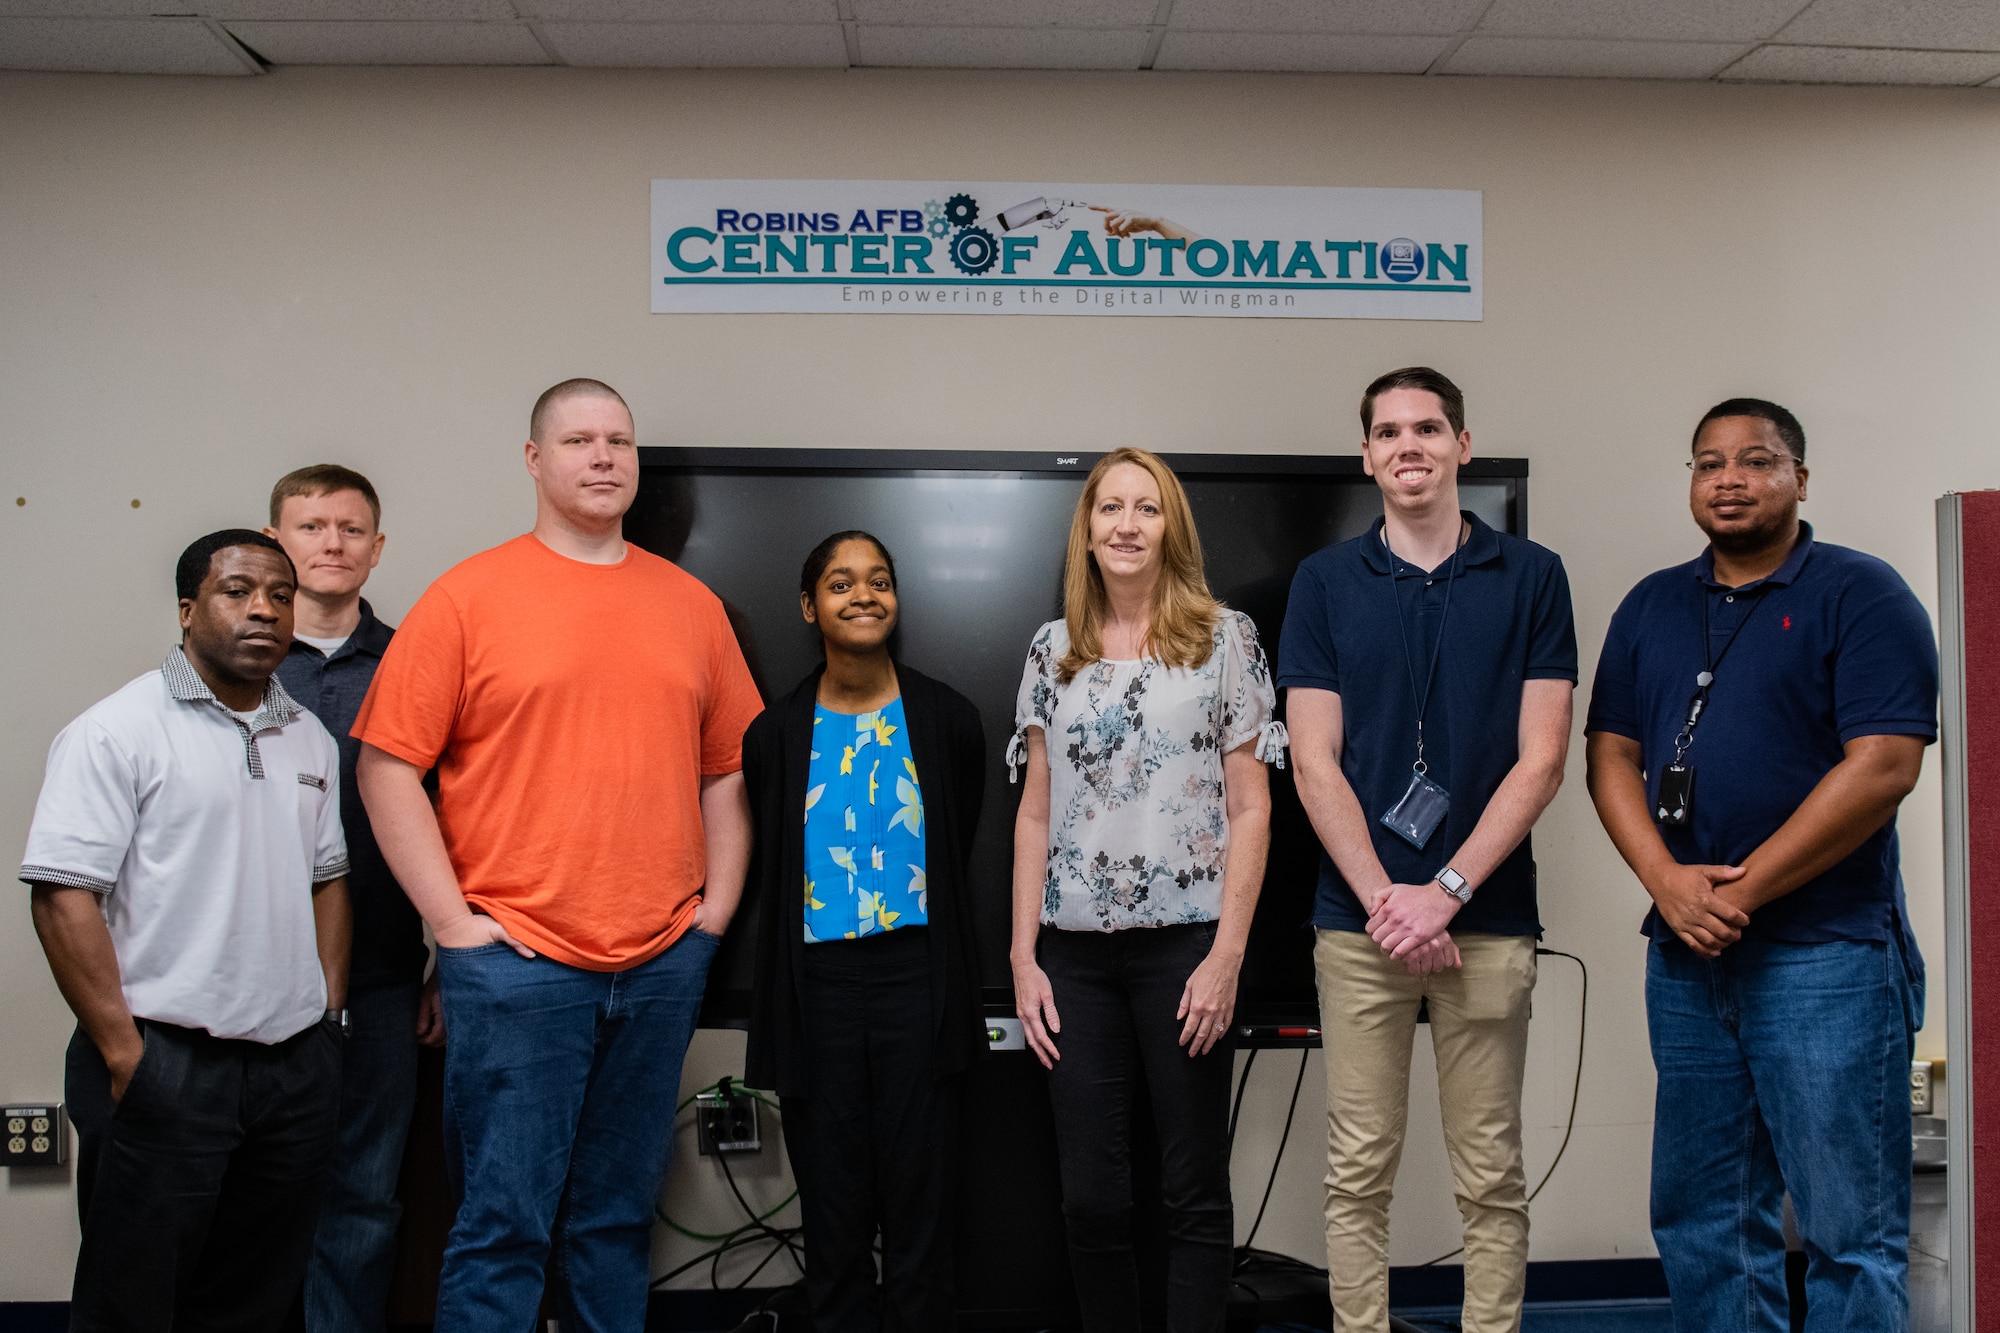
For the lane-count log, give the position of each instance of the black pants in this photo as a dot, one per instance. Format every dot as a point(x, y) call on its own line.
point(198, 1190)
point(872, 1142)
point(1116, 994)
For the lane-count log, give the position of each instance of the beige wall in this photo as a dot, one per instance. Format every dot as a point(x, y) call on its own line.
point(205, 283)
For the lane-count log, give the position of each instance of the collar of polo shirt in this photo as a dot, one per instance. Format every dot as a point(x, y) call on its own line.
point(279, 708)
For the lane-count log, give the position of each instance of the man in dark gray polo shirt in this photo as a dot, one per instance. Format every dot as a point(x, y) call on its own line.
point(329, 519)
point(1428, 666)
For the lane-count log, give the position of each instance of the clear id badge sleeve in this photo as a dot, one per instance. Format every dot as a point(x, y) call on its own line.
point(1417, 815)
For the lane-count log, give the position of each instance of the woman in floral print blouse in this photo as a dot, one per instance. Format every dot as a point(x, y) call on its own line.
point(1144, 724)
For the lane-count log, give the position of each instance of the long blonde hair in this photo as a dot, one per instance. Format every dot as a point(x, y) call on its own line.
point(1180, 630)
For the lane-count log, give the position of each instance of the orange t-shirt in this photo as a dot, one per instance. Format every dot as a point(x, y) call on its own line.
point(571, 710)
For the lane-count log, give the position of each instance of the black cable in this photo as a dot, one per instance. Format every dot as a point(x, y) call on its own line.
point(1279, 1156)
point(1575, 1090)
point(785, 1238)
point(1242, 1084)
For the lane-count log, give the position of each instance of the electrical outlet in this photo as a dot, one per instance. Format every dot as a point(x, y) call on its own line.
point(725, 1121)
point(37, 1134)
point(1922, 1088)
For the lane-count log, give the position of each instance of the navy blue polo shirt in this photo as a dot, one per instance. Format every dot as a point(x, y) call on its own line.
point(388, 933)
point(1832, 646)
point(1510, 622)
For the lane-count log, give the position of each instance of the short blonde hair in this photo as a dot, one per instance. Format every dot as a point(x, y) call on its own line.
point(1180, 631)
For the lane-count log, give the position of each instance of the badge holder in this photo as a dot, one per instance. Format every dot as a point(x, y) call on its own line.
point(1422, 808)
point(1675, 807)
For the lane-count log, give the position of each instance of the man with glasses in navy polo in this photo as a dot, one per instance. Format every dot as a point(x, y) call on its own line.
point(1758, 715)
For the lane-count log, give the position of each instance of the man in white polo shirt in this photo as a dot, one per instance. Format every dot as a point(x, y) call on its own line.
point(187, 865)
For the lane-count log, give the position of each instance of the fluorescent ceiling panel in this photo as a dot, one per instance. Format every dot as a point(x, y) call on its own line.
point(698, 45)
point(1846, 64)
point(1001, 48)
point(1537, 56)
point(1652, 20)
point(119, 46)
point(1009, 13)
point(392, 43)
point(681, 11)
point(1963, 25)
point(1301, 52)
point(435, 11)
point(1436, 18)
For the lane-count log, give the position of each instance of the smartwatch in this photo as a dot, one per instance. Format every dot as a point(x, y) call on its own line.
point(1454, 884)
point(338, 1018)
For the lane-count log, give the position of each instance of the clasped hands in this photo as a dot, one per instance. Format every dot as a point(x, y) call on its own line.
point(1691, 902)
point(1408, 921)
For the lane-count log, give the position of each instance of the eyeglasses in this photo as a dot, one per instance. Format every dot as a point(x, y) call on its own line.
point(1756, 462)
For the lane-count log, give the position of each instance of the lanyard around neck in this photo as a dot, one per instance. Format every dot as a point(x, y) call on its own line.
point(1421, 698)
point(1705, 678)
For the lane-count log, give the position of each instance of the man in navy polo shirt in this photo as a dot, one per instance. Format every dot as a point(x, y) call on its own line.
point(1429, 665)
point(330, 522)
point(1758, 715)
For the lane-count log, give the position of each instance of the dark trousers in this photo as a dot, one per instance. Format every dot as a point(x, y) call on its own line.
point(198, 1190)
point(871, 1143)
point(354, 1247)
point(1116, 994)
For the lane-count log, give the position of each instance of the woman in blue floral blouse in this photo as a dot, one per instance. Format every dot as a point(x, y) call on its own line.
point(1144, 724)
point(864, 787)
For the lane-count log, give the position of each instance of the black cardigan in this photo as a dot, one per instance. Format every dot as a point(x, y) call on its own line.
point(950, 751)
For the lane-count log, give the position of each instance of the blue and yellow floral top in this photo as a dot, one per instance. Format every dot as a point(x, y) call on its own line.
point(864, 827)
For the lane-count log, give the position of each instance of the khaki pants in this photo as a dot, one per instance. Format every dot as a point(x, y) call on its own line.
point(1479, 1031)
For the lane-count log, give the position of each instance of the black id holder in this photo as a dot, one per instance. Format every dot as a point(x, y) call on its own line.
point(1417, 815)
point(1676, 804)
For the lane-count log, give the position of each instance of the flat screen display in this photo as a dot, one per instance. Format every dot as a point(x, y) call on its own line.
point(979, 540)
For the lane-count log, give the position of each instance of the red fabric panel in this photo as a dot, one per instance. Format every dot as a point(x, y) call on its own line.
point(1981, 546)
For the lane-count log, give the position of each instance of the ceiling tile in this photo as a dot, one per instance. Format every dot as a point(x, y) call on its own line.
point(1440, 18)
point(392, 43)
point(1653, 20)
point(680, 11)
point(1847, 64)
point(1009, 13)
point(119, 46)
point(1002, 48)
point(1948, 25)
point(436, 11)
point(82, 9)
point(1298, 51)
point(698, 45)
point(1590, 59)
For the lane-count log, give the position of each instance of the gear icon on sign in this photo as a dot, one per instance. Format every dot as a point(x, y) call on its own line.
point(961, 210)
point(933, 209)
point(939, 227)
point(974, 250)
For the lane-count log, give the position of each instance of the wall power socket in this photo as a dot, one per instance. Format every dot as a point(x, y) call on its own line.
point(725, 1121)
point(35, 1134)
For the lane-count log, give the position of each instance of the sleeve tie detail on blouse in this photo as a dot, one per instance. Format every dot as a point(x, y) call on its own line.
point(1017, 754)
point(1272, 741)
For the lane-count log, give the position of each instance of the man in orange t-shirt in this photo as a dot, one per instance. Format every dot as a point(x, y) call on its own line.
point(584, 703)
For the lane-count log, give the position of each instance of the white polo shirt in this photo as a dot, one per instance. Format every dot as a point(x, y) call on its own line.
point(203, 836)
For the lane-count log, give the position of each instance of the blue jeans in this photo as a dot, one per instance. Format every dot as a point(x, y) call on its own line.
point(1783, 1067)
point(354, 1245)
point(559, 1094)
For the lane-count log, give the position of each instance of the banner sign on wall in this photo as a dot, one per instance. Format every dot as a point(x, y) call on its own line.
point(1040, 248)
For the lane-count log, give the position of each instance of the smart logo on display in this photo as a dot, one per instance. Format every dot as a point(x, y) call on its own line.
point(870, 246)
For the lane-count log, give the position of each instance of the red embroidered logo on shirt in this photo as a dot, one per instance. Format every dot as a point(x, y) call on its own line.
point(1788, 622)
